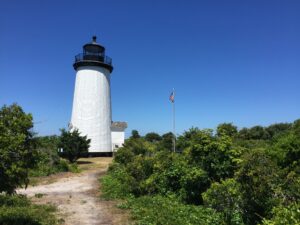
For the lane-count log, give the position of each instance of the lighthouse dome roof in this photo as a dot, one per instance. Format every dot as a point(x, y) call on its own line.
point(93, 47)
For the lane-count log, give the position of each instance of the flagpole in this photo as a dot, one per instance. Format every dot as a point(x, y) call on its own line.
point(174, 133)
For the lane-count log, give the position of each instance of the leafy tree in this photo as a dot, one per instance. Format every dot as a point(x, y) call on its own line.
point(135, 134)
point(16, 147)
point(153, 137)
point(227, 129)
point(167, 141)
point(254, 133)
point(277, 129)
point(258, 132)
point(244, 134)
point(73, 145)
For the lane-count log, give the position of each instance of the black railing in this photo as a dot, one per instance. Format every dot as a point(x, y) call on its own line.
point(93, 57)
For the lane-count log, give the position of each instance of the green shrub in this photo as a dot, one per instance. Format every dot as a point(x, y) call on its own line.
point(139, 170)
point(238, 179)
point(71, 167)
point(226, 198)
point(14, 200)
point(45, 168)
point(123, 156)
point(158, 210)
point(117, 183)
point(17, 210)
point(259, 179)
point(212, 153)
point(167, 172)
point(73, 145)
point(284, 215)
point(16, 147)
point(133, 147)
point(193, 183)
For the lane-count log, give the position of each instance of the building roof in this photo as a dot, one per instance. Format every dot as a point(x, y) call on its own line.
point(118, 124)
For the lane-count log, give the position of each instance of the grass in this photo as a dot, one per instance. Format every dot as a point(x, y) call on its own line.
point(18, 210)
point(93, 163)
point(82, 165)
point(39, 195)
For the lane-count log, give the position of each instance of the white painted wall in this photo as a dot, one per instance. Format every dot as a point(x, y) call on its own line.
point(118, 137)
point(91, 113)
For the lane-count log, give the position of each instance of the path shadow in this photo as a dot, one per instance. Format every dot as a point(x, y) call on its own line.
point(84, 162)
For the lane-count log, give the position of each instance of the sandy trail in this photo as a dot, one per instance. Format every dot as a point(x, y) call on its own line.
point(77, 198)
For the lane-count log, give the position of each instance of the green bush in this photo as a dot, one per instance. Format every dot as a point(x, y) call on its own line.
point(140, 170)
point(287, 150)
point(17, 210)
point(46, 168)
point(73, 145)
point(259, 178)
point(226, 198)
point(162, 172)
point(117, 183)
point(284, 215)
point(211, 153)
point(16, 147)
point(47, 158)
point(158, 210)
point(231, 177)
point(193, 183)
point(166, 175)
point(124, 155)
point(14, 200)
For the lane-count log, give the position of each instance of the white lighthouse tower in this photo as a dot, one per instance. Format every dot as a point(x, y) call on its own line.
point(91, 113)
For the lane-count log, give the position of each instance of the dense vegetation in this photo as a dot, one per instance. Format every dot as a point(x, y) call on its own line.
point(47, 158)
point(17, 210)
point(73, 145)
point(24, 155)
point(230, 176)
point(16, 147)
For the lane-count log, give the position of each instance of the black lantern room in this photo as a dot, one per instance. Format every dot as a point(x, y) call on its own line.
point(93, 55)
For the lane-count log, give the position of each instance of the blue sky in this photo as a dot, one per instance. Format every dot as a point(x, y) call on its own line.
point(229, 61)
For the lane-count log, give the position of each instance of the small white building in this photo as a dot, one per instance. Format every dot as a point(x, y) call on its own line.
point(117, 134)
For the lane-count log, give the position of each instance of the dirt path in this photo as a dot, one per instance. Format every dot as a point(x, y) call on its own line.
point(77, 196)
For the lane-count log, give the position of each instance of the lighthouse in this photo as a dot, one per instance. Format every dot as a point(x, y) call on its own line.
point(91, 112)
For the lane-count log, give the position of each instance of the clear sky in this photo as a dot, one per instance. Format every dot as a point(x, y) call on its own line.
point(229, 61)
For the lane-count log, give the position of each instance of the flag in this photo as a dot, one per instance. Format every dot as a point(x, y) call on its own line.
point(172, 96)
